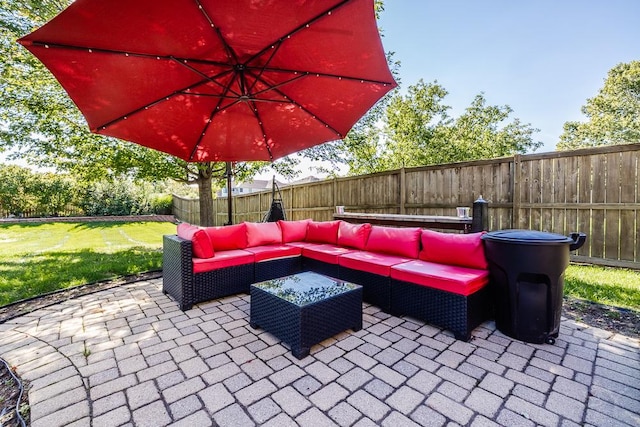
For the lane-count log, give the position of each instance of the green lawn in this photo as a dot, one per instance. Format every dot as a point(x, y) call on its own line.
point(40, 258)
point(611, 286)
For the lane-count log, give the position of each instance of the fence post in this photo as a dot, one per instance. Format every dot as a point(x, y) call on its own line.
point(403, 184)
point(515, 192)
point(480, 221)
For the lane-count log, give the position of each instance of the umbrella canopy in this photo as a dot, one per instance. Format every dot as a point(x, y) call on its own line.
point(218, 80)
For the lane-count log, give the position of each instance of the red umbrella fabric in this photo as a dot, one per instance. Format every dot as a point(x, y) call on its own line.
point(218, 80)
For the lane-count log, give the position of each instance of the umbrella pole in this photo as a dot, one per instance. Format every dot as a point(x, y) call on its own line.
point(229, 201)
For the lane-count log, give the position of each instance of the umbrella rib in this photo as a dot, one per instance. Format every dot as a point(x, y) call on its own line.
point(299, 28)
point(320, 74)
point(230, 52)
point(254, 109)
point(215, 111)
point(306, 110)
point(211, 79)
point(182, 91)
point(262, 68)
point(116, 52)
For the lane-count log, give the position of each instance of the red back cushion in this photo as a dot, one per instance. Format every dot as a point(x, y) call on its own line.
point(394, 241)
point(228, 237)
point(323, 232)
point(200, 241)
point(353, 235)
point(263, 233)
point(464, 250)
point(294, 231)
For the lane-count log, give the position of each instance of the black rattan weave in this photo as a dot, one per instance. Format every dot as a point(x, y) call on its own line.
point(458, 313)
point(272, 269)
point(188, 288)
point(222, 282)
point(177, 270)
point(303, 327)
point(376, 288)
point(310, 264)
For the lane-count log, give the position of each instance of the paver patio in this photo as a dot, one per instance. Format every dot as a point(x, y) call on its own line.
point(129, 356)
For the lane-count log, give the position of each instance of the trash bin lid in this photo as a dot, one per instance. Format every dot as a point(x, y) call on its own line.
point(531, 237)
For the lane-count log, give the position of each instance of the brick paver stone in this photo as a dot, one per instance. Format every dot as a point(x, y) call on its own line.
point(142, 394)
point(291, 401)
point(405, 399)
point(369, 405)
point(264, 410)
point(153, 365)
point(328, 396)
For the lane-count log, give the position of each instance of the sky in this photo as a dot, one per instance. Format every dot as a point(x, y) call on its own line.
point(543, 58)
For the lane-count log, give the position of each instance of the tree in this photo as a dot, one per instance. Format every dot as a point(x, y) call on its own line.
point(613, 115)
point(40, 124)
point(411, 125)
point(415, 129)
point(482, 132)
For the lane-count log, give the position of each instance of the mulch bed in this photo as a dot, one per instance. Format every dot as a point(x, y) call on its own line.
point(10, 392)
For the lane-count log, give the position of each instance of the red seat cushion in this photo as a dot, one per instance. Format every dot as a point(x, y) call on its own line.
point(353, 235)
point(464, 250)
point(294, 231)
point(450, 278)
point(302, 244)
point(200, 242)
point(325, 253)
point(323, 232)
point(404, 242)
point(228, 237)
point(263, 233)
point(222, 259)
point(266, 253)
point(371, 262)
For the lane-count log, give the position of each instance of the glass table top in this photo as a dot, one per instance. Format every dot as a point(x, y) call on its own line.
point(305, 288)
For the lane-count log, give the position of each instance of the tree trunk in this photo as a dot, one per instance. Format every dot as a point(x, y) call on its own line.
point(205, 195)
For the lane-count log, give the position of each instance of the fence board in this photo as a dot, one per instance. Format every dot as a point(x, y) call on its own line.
point(524, 217)
point(595, 191)
point(584, 196)
point(535, 194)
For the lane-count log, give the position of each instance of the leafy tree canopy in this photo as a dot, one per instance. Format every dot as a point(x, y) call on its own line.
point(416, 129)
point(40, 124)
point(613, 115)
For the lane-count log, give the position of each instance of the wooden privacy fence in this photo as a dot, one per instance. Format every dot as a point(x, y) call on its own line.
point(595, 191)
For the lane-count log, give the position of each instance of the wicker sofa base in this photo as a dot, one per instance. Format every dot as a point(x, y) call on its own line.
point(459, 313)
point(376, 288)
point(272, 269)
point(187, 288)
point(320, 267)
point(215, 284)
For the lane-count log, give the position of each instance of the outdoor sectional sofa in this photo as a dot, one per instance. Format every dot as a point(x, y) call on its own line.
point(441, 278)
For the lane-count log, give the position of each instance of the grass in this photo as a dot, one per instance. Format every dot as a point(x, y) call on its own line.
point(44, 257)
point(41, 258)
point(605, 285)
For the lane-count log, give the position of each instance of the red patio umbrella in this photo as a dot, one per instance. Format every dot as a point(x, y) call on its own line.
point(218, 80)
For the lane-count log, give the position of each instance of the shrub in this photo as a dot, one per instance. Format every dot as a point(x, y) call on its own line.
point(162, 204)
point(113, 199)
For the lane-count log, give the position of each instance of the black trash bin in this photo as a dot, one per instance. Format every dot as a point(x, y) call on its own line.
point(526, 271)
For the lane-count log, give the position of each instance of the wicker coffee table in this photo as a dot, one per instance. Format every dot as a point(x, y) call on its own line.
point(305, 309)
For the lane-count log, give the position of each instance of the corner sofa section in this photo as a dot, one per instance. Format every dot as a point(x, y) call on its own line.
point(440, 278)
